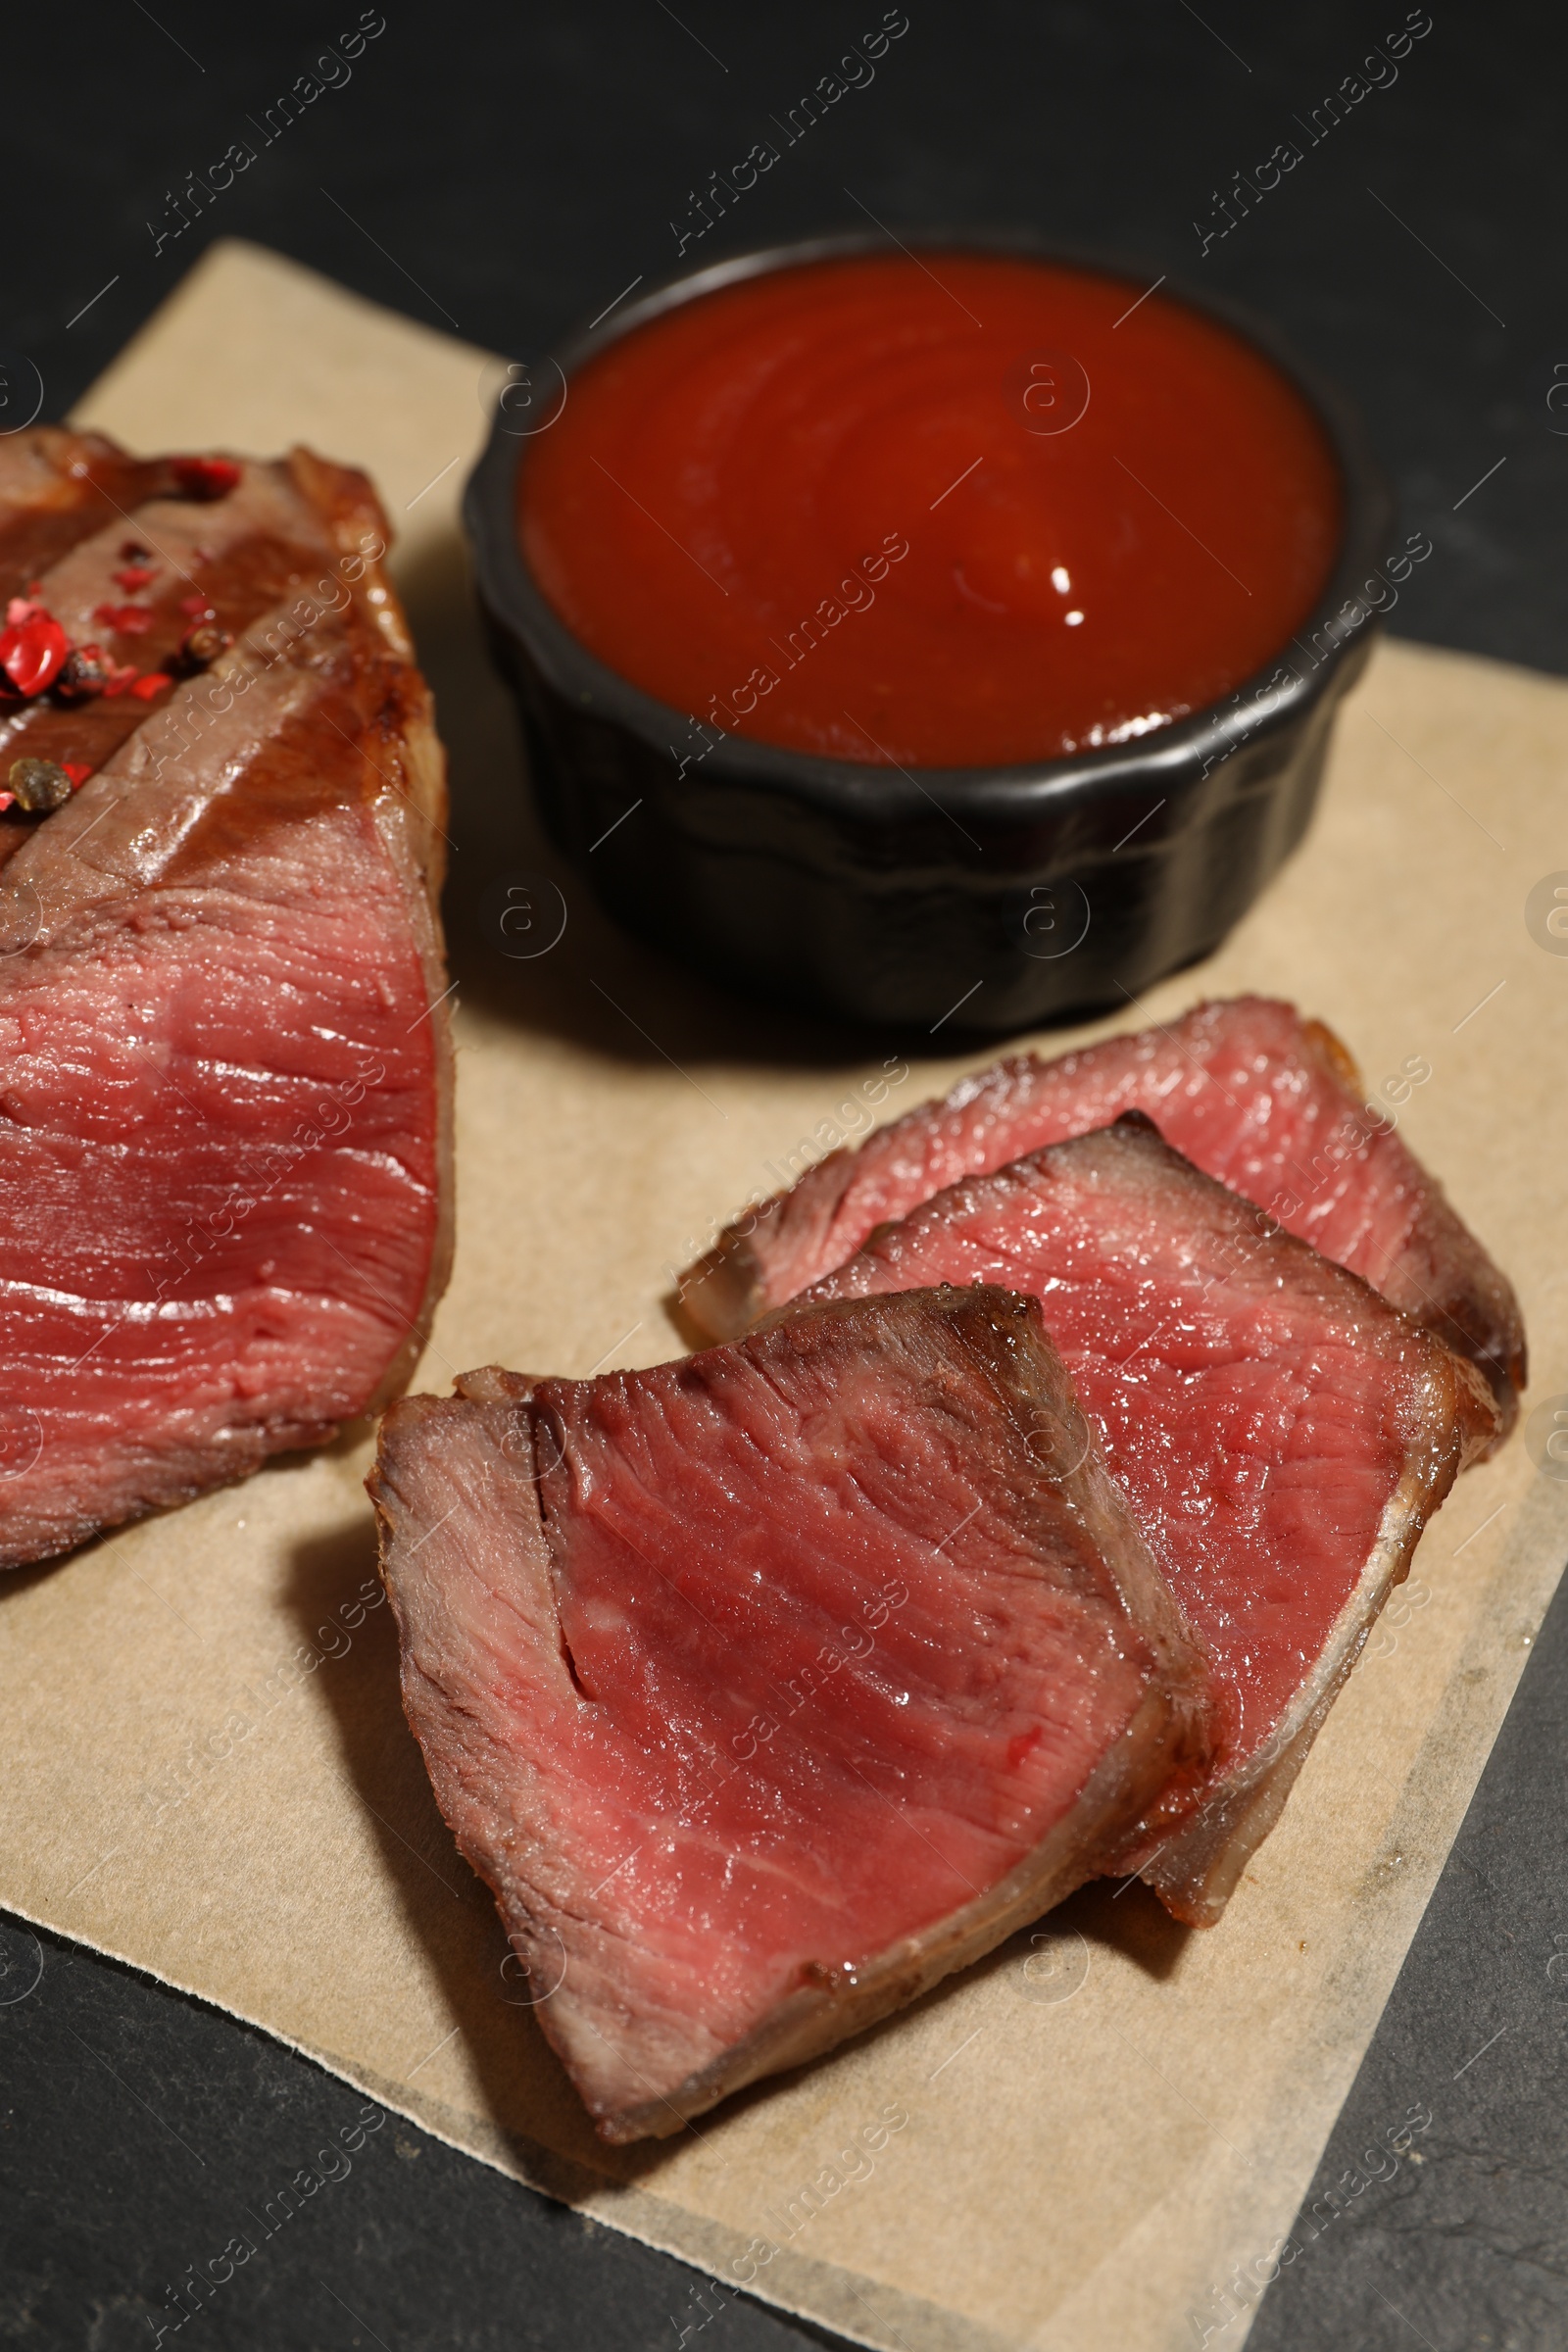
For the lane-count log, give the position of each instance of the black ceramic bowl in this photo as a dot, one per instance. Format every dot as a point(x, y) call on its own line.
point(946, 898)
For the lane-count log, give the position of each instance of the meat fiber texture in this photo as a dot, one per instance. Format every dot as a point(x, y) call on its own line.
point(767, 1686)
point(1281, 1432)
point(1267, 1102)
point(224, 1065)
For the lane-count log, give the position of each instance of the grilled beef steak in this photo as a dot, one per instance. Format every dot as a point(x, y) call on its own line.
point(1268, 1103)
point(1281, 1432)
point(225, 1070)
point(59, 487)
point(767, 1686)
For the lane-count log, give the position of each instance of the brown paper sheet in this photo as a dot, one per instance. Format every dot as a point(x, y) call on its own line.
point(1098, 2131)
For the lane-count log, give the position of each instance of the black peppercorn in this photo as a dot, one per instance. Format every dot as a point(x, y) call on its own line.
point(82, 674)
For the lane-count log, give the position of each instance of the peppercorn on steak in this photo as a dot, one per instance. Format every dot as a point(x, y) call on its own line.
point(225, 1067)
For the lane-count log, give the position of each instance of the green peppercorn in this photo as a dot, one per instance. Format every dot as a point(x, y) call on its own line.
point(38, 785)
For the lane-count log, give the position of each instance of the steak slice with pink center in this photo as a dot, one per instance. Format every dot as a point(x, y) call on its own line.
point(1280, 1431)
point(767, 1686)
point(225, 1070)
point(1267, 1102)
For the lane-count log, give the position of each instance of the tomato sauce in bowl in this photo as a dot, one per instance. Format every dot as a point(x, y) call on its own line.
point(949, 640)
point(968, 510)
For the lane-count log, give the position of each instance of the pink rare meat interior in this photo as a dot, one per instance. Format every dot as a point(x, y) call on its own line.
point(226, 1214)
point(1280, 1432)
point(1260, 1099)
point(766, 1686)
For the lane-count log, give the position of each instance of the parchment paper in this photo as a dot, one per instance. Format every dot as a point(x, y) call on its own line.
point(207, 1771)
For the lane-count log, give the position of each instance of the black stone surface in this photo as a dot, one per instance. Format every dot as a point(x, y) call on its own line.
point(500, 171)
point(1463, 2241)
point(144, 2136)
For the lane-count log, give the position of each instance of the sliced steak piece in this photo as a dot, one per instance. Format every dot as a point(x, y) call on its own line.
point(225, 1067)
point(1268, 1103)
point(1280, 1431)
point(767, 1686)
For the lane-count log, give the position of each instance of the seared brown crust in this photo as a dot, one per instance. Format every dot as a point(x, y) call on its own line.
point(1444, 1278)
point(55, 488)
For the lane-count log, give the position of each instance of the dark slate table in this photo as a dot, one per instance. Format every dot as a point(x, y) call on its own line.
point(500, 172)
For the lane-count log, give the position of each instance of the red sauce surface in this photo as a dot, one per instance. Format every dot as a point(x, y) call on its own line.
point(861, 508)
